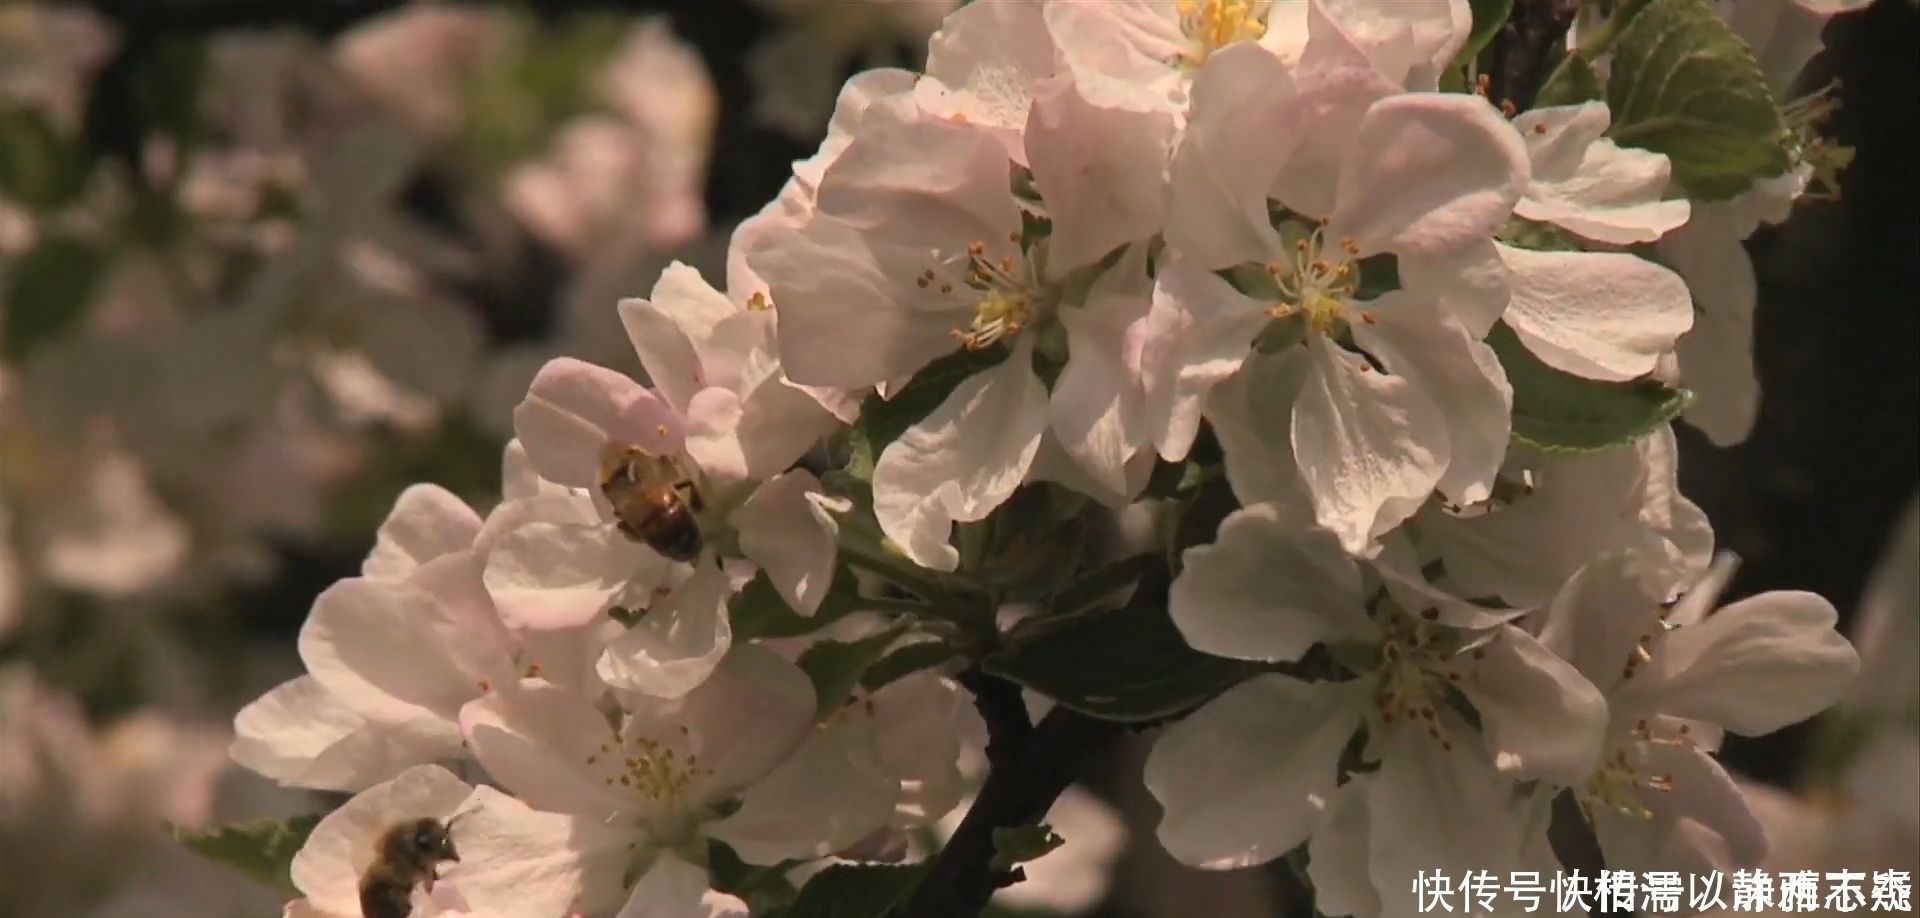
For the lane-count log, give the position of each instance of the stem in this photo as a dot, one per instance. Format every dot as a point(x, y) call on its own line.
point(899, 571)
point(898, 606)
point(1031, 767)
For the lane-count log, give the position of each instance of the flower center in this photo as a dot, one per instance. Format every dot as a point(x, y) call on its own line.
point(1002, 292)
point(1417, 663)
point(1214, 24)
point(1621, 779)
point(1318, 283)
point(657, 773)
point(1805, 117)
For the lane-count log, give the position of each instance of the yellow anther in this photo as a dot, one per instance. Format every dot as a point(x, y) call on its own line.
point(758, 302)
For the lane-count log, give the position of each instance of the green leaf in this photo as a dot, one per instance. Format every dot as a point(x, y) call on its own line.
point(47, 290)
point(759, 611)
point(1128, 664)
point(1572, 83)
point(262, 850)
point(1558, 412)
point(1020, 844)
point(39, 166)
point(836, 667)
point(856, 891)
point(905, 661)
point(1488, 17)
point(1684, 84)
point(764, 889)
point(1094, 586)
point(883, 420)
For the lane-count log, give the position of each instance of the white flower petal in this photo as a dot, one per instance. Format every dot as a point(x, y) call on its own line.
point(1463, 378)
point(1371, 446)
point(673, 888)
point(301, 736)
point(427, 521)
point(1101, 170)
point(574, 407)
point(1242, 779)
point(679, 641)
point(516, 861)
point(1226, 601)
point(1243, 129)
point(1449, 811)
point(788, 527)
point(1540, 717)
point(328, 867)
point(748, 717)
point(984, 62)
point(962, 460)
point(1252, 411)
point(1197, 332)
point(1098, 411)
point(546, 744)
point(713, 434)
point(1429, 174)
point(548, 576)
point(830, 794)
point(1337, 855)
point(1587, 184)
point(1757, 665)
point(1601, 315)
point(377, 647)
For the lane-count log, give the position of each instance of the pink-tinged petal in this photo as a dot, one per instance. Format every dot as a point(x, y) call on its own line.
point(574, 407)
point(747, 718)
point(548, 746)
point(1244, 128)
point(1224, 602)
point(1120, 50)
point(517, 861)
point(1102, 172)
point(1336, 83)
point(672, 364)
point(427, 521)
point(328, 867)
point(375, 646)
point(678, 643)
point(1371, 446)
point(300, 736)
point(1098, 409)
point(844, 320)
point(1242, 779)
point(1197, 332)
point(1252, 413)
point(962, 460)
point(1417, 339)
point(789, 528)
point(984, 61)
point(857, 94)
point(1600, 315)
point(1429, 174)
point(472, 634)
point(1409, 43)
point(825, 798)
point(713, 435)
point(518, 480)
point(780, 422)
point(1540, 718)
point(1757, 665)
point(673, 888)
point(548, 576)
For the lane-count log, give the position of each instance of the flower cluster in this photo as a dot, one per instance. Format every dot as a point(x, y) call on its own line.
point(1385, 360)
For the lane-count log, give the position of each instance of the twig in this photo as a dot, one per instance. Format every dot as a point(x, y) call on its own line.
point(1021, 788)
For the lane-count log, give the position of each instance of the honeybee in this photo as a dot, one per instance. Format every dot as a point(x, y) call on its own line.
point(654, 500)
point(408, 854)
